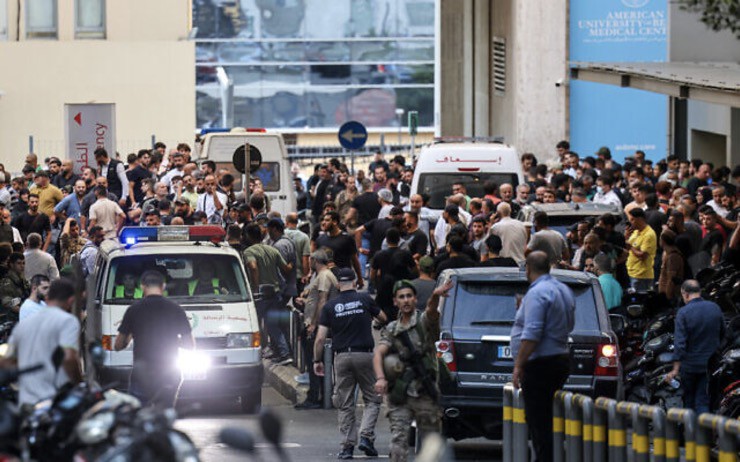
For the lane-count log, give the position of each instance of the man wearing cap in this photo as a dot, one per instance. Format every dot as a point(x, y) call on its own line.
point(411, 396)
point(642, 246)
point(349, 316)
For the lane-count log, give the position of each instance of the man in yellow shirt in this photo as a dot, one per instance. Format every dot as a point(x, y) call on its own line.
point(49, 195)
point(641, 245)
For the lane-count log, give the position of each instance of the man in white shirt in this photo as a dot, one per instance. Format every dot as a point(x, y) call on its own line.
point(38, 261)
point(36, 338)
point(178, 162)
point(604, 193)
point(106, 214)
point(212, 202)
point(513, 234)
point(36, 301)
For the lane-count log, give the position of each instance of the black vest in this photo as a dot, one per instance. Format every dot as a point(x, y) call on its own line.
point(114, 183)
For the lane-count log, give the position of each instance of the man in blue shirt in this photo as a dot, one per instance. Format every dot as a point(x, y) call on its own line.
point(539, 344)
point(71, 206)
point(700, 326)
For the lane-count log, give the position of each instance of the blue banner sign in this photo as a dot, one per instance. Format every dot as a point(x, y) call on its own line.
point(623, 119)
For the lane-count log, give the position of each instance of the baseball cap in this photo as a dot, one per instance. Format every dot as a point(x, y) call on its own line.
point(345, 275)
point(385, 195)
point(276, 223)
point(261, 219)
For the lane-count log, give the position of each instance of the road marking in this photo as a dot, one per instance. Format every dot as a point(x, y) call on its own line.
point(284, 445)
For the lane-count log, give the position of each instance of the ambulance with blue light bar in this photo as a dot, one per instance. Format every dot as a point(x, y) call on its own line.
point(207, 278)
point(470, 161)
point(274, 172)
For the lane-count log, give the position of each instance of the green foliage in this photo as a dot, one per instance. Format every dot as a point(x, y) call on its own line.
point(716, 14)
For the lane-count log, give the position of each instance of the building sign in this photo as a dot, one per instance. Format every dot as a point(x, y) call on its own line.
point(622, 119)
point(88, 127)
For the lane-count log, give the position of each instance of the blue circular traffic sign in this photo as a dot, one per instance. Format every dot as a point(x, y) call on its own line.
point(352, 135)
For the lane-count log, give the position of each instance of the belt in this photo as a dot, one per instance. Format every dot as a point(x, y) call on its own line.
point(354, 350)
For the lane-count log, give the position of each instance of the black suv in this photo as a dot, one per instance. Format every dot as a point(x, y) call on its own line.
point(476, 320)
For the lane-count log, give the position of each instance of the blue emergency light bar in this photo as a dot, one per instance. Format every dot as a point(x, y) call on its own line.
point(131, 235)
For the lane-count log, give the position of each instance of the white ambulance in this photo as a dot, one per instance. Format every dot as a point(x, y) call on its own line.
point(274, 172)
point(207, 278)
point(470, 161)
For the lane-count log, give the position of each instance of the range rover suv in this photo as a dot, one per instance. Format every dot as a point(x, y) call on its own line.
point(476, 320)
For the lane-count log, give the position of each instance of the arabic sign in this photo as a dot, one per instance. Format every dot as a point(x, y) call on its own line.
point(352, 135)
point(622, 119)
point(88, 127)
point(446, 159)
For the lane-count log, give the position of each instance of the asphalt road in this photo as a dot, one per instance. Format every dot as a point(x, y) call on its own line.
point(307, 435)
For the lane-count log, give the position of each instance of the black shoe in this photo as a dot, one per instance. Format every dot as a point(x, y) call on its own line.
point(307, 405)
point(367, 447)
point(283, 360)
point(346, 453)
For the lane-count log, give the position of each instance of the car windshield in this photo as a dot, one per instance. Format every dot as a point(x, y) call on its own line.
point(194, 278)
point(494, 303)
point(439, 185)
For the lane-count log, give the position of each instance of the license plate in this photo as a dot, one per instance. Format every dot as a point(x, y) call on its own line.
point(504, 352)
point(194, 375)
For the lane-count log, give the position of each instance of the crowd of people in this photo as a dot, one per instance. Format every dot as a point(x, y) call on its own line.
point(674, 217)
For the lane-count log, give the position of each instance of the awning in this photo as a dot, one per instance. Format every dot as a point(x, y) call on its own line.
point(717, 83)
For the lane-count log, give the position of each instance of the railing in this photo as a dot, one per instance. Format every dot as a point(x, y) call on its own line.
point(587, 430)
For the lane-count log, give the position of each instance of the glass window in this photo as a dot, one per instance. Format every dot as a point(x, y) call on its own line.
point(3, 19)
point(90, 19)
point(41, 19)
point(439, 185)
point(196, 278)
point(487, 303)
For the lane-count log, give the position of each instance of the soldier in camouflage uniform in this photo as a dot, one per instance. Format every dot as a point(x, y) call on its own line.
point(410, 396)
point(14, 288)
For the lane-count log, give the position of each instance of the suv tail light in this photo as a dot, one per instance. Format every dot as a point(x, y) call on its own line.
point(607, 360)
point(446, 351)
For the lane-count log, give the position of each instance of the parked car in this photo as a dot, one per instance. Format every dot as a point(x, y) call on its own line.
point(476, 320)
point(563, 215)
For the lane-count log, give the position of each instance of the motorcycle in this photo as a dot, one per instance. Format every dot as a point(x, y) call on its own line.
point(9, 418)
point(645, 382)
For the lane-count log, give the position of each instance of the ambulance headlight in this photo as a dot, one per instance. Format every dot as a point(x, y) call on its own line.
point(193, 361)
point(242, 340)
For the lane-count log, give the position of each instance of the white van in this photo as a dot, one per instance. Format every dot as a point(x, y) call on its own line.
point(227, 362)
point(442, 164)
point(274, 172)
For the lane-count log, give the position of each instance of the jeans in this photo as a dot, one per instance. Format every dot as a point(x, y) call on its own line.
point(642, 285)
point(155, 384)
point(695, 391)
point(541, 378)
point(270, 310)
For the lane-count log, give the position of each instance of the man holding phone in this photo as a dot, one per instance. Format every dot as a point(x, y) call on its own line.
point(642, 246)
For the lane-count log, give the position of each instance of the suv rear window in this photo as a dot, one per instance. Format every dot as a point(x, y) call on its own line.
point(491, 303)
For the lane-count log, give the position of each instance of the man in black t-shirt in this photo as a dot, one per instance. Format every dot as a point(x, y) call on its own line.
point(349, 316)
point(160, 328)
point(456, 258)
point(139, 173)
point(366, 206)
point(342, 245)
point(391, 265)
point(32, 221)
point(415, 240)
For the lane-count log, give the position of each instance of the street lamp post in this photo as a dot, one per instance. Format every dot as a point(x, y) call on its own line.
point(399, 115)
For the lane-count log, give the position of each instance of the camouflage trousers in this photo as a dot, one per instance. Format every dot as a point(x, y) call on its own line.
point(427, 415)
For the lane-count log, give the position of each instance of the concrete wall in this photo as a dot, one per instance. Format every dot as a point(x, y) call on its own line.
point(531, 113)
point(144, 67)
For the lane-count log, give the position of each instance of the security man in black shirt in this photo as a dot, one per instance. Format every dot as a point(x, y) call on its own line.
point(160, 328)
point(350, 316)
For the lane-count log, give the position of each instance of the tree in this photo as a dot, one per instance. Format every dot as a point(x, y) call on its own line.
point(716, 14)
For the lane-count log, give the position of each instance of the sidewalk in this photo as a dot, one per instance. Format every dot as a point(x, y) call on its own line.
point(282, 379)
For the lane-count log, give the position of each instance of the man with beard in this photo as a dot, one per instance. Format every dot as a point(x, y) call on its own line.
point(343, 246)
point(188, 191)
point(32, 221)
point(71, 206)
point(14, 287)
point(115, 173)
point(66, 176)
point(36, 301)
point(139, 173)
point(183, 210)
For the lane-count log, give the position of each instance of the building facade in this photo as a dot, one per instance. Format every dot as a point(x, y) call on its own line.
point(135, 54)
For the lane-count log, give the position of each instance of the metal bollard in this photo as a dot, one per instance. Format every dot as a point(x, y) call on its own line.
point(657, 417)
point(704, 436)
point(573, 447)
point(508, 434)
point(599, 433)
point(558, 426)
point(521, 432)
point(729, 434)
point(674, 418)
point(640, 436)
point(617, 436)
point(328, 374)
point(586, 406)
